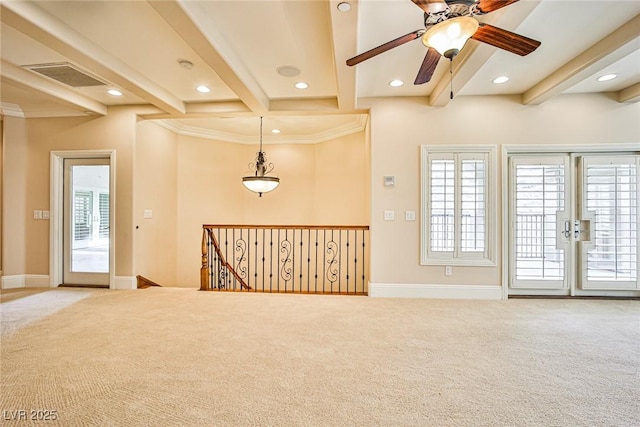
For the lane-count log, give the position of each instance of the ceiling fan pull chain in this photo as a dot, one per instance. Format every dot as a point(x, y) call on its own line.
point(451, 78)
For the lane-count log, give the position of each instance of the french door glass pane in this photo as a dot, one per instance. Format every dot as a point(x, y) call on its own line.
point(539, 195)
point(612, 197)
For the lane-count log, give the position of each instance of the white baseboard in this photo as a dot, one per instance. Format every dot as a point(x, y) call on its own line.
point(125, 282)
point(25, 281)
point(36, 281)
point(404, 290)
point(12, 282)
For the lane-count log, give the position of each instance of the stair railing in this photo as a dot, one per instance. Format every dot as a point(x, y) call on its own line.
point(289, 259)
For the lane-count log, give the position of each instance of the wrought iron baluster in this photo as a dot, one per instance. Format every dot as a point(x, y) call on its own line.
point(308, 258)
point(355, 261)
point(255, 286)
point(300, 260)
point(363, 261)
point(263, 241)
point(271, 262)
point(324, 260)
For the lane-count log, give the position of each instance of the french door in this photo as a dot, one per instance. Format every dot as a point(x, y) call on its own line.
point(86, 222)
point(573, 224)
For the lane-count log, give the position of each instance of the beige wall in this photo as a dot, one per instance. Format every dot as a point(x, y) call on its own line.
point(185, 182)
point(15, 205)
point(28, 144)
point(400, 126)
point(188, 181)
point(1, 184)
point(210, 189)
point(155, 189)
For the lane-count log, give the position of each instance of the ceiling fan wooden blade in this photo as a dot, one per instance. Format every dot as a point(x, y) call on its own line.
point(385, 47)
point(432, 6)
point(503, 39)
point(486, 6)
point(428, 66)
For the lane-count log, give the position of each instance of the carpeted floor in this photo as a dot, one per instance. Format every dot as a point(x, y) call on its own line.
point(178, 357)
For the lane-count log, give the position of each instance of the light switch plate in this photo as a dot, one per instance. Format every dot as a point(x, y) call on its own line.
point(389, 181)
point(410, 215)
point(45, 214)
point(389, 215)
point(37, 214)
point(148, 214)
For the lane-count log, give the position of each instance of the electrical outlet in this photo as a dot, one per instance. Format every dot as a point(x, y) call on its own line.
point(448, 270)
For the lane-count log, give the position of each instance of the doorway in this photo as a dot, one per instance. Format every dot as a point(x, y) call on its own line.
point(573, 224)
point(86, 222)
point(82, 228)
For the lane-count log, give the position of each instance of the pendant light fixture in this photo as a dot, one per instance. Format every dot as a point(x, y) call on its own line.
point(259, 182)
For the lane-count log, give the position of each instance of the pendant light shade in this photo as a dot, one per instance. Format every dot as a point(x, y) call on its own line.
point(448, 37)
point(260, 182)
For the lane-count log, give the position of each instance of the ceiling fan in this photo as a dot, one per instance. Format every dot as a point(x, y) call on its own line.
point(448, 25)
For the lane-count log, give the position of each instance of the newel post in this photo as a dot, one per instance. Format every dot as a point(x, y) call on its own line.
point(204, 269)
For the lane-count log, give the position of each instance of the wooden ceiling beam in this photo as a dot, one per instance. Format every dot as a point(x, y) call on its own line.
point(610, 49)
point(36, 23)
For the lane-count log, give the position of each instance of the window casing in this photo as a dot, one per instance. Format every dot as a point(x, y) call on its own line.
point(458, 206)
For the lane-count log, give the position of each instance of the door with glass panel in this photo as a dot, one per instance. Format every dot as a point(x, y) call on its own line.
point(573, 225)
point(86, 222)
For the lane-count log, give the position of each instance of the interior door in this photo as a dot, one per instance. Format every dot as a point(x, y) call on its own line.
point(86, 222)
point(573, 225)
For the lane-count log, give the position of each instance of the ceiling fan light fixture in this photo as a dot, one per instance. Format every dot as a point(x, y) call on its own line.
point(448, 37)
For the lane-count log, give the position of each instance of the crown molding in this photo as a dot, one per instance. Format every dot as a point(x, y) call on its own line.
point(357, 125)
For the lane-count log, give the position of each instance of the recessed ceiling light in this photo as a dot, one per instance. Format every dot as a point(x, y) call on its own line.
point(114, 92)
point(500, 80)
point(203, 89)
point(275, 130)
point(396, 83)
point(607, 77)
point(344, 6)
point(288, 71)
point(301, 85)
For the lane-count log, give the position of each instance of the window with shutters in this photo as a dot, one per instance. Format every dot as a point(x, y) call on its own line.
point(458, 186)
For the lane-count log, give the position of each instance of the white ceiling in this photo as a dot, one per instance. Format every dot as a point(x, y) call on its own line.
point(236, 48)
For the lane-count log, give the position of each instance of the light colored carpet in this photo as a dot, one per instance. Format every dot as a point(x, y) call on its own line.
point(179, 357)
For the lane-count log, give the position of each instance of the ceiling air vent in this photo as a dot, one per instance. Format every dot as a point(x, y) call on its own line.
point(66, 73)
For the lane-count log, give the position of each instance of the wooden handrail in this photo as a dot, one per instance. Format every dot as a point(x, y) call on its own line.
point(289, 227)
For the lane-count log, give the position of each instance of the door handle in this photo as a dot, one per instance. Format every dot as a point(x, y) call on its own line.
point(567, 229)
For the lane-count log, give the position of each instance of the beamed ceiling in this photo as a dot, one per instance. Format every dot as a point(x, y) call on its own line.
point(246, 51)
